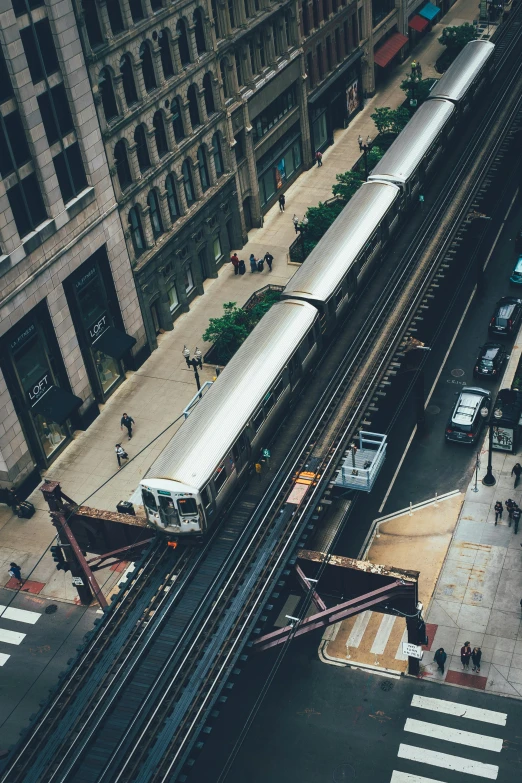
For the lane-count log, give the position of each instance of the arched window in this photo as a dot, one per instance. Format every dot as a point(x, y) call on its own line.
point(149, 77)
point(92, 23)
point(136, 231)
point(165, 54)
point(218, 157)
point(184, 51)
point(172, 197)
point(156, 5)
point(208, 94)
point(193, 106)
point(115, 17)
point(122, 165)
point(177, 120)
point(203, 169)
point(107, 95)
point(129, 87)
point(187, 182)
point(215, 16)
point(155, 214)
point(159, 134)
point(136, 10)
point(199, 31)
point(141, 148)
point(223, 69)
point(239, 70)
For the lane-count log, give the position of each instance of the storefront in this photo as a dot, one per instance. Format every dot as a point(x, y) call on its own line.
point(98, 323)
point(38, 384)
point(277, 166)
point(388, 52)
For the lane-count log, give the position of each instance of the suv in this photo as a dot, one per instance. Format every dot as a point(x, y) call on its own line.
point(465, 422)
point(490, 361)
point(506, 318)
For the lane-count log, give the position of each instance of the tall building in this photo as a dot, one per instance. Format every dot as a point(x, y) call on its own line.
point(70, 321)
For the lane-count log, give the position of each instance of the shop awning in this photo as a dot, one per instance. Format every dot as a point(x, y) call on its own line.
point(418, 23)
point(429, 11)
point(114, 343)
point(385, 54)
point(57, 404)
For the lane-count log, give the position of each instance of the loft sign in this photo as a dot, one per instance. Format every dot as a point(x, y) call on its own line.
point(98, 328)
point(37, 391)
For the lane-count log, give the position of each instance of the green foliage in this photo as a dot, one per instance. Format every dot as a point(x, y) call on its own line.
point(456, 38)
point(390, 120)
point(347, 184)
point(320, 219)
point(374, 156)
point(229, 331)
point(422, 89)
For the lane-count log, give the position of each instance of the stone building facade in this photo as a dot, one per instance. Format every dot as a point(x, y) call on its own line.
point(70, 320)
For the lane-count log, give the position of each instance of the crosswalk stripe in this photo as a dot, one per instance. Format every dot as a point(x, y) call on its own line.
point(447, 761)
point(399, 655)
point(405, 777)
point(3, 658)
point(383, 634)
point(11, 637)
point(20, 615)
point(358, 629)
point(453, 735)
point(459, 710)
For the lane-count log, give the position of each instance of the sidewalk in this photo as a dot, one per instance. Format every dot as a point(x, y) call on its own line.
point(156, 394)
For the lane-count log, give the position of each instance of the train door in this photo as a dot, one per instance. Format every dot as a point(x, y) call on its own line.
point(241, 452)
point(167, 510)
point(294, 369)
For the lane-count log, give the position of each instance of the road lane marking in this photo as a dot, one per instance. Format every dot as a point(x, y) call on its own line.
point(459, 710)
point(459, 736)
point(405, 777)
point(359, 627)
point(11, 637)
point(446, 761)
point(3, 658)
point(383, 634)
point(20, 615)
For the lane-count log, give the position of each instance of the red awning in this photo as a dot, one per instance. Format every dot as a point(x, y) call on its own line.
point(418, 23)
point(387, 51)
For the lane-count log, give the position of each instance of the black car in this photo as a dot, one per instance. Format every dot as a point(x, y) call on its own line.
point(490, 361)
point(506, 318)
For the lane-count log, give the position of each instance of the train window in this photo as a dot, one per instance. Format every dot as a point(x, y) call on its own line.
point(257, 421)
point(269, 403)
point(339, 296)
point(220, 476)
point(311, 340)
point(279, 388)
point(235, 452)
point(206, 496)
point(187, 506)
point(149, 500)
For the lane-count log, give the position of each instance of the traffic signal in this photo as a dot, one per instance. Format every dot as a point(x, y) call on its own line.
point(59, 559)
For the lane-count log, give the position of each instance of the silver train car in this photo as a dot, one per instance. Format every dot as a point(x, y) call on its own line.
point(369, 220)
point(467, 75)
point(188, 484)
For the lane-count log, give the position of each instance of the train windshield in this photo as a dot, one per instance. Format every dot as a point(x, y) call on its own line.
point(187, 507)
point(149, 501)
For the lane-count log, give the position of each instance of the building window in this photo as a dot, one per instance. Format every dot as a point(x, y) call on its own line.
point(156, 5)
point(218, 158)
point(199, 31)
point(218, 254)
point(304, 17)
point(177, 121)
point(107, 95)
point(187, 182)
point(329, 52)
point(310, 68)
point(147, 67)
point(115, 17)
point(165, 54)
point(27, 205)
point(208, 94)
point(69, 169)
point(247, 8)
point(289, 28)
point(275, 39)
point(193, 106)
point(315, 11)
point(261, 47)
point(239, 71)
point(320, 64)
point(20, 7)
point(184, 51)
point(187, 278)
point(326, 13)
point(252, 55)
point(278, 165)
point(6, 88)
point(231, 13)
point(338, 55)
point(56, 114)
point(274, 113)
point(155, 215)
point(14, 150)
point(172, 198)
point(159, 134)
point(223, 70)
point(40, 50)
point(215, 16)
point(92, 23)
point(203, 170)
point(136, 10)
point(346, 31)
point(173, 298)
point(136, 231)
point(122, 165)
point(141, 149)
point(129, 86)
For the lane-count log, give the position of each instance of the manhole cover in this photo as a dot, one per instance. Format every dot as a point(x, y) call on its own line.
point(457, 373)
point(386, 685)
point(433, 409)
point(51, 609)
point(344, 772)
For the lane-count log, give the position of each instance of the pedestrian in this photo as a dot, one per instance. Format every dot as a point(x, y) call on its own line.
point(418, 70)
point(509, 508)
point(282, 202)
point(258, 469)
point(269, 258)
point(120, 453)
point(440, 659)
point(234, 260)
point(421, 201)
point(260, 265)
point(319, 158)
point(253, 263)
point(516, 471)
point(15, 572)
point(242, 267)
point(295, 221)
point(127, 421)
point(516, 517)
point(413, 66)
point(498, 511)
point(465, 655)
point(476, 656)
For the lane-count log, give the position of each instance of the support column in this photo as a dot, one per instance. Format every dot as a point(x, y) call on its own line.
point(225, 18)
point(191, 34)
point(181, 195)
point(178, 67)
point(171, 138)
point(302, 98)
point(202, 106)
point(105, 24)
point(197, 182)
point(152, 147)
point(164, 209)
point(257, 217)
point(211, 167)
point(119, 94)
point(147, 228)
point(125, 12)
point(133, 162)
point(268, 36)
point(187, 123)
point(158, 68)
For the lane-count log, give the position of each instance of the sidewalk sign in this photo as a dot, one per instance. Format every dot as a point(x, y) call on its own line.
point(412, 650)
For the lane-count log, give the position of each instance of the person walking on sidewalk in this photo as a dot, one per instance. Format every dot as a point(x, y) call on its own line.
point(319, 157)
point(120, 453)
point(516, 517)
point(295, 221)
point(269, 258)
point(476, 657)
point(127, 421)
point(509, 508)
point(282, 201)
point(440, 659)
point(465, 655)
point(253, 263)
point(15, 572)
point(234, 260)
point(516, 471)
point(498, 511)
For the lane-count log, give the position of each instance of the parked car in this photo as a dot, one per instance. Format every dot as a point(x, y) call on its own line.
point(506, 317)
point(490, 361)
point(466, 422)
point(516, 274)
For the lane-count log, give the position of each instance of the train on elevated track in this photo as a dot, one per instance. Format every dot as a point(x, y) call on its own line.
point(188, 485)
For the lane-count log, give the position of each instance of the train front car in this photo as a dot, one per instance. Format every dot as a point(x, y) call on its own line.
point(172, 507)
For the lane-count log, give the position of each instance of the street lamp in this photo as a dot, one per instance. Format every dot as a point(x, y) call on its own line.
point(412, 80)
point(365, 147)
point(489, 478)
point(195, 363)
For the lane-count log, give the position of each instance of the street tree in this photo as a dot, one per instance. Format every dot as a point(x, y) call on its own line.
point(347, 184)
point(390, 121)
point(456, 38)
